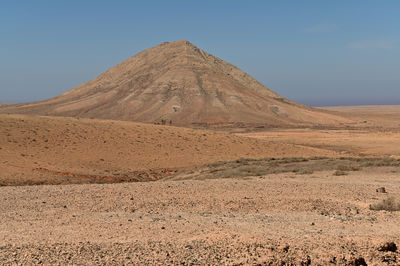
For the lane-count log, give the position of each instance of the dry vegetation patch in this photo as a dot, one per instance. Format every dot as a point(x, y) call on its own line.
point(387, 204)
point(258, 167)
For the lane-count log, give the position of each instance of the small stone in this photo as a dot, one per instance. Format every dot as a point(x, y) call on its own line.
point(286, 248)
point(360, 261)
point(381, 190)
point(388, 246)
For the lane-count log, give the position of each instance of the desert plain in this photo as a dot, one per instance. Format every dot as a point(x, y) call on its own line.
point(86, 191)
point(177, 157)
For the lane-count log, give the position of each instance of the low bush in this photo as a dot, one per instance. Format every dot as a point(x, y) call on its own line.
point(388, 204)
point(339, 173)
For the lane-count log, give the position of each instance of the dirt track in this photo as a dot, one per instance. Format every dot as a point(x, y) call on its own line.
point(318, 219)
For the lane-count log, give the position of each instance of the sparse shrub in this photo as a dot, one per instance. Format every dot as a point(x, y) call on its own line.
point(381, 190)
point(243, 167)
point(318, 158)
point(305, 172)
point(348, 168)
point(244, 161)
point(216, 164)
point(293, 160)
point(339, 173)
point(388, 204)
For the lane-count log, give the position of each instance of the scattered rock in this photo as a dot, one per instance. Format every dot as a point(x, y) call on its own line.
point(306, 261)
point(381, 190)
point(389, 258)
point(360, 261)
point(286, 248)
point(388, 246)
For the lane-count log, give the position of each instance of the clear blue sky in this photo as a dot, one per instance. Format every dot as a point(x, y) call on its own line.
point(314, 52)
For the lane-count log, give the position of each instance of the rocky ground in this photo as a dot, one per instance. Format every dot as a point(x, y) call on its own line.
point(286, 218)
point(223, 198)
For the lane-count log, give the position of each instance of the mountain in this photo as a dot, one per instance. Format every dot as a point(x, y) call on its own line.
point(180, 84)
point(4, 103)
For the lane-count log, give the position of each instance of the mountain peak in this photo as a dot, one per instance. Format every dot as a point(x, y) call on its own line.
point(179, 47)
point(177, 82)
point(177, 43)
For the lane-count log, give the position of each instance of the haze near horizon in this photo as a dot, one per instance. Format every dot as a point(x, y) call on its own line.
point(339, 53)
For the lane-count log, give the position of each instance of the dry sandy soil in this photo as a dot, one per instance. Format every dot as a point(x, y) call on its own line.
point(383, 116)
point(211, 206)
point(376, 132)
point(56, 150)
point(350, 142)
point(317, 219)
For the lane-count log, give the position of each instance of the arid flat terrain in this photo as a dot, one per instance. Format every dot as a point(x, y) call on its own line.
point(376, 132)
point(384, 116)
point(285, 218)
point(198, 163)
point(350, 142)
point(281, 196)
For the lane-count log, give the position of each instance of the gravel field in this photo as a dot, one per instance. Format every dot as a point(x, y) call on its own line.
point(287, 218)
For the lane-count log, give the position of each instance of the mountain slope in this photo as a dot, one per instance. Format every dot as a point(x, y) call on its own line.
point(181, 84)
point(4, 103)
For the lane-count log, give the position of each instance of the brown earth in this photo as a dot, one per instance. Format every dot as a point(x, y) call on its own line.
point(276, 219)
point(375, 132)
point(351, 142)
point(211, 206)
point(181, 83)
point(376, 116)
point(218, 208)
point(4, 103)
point(56, 150)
